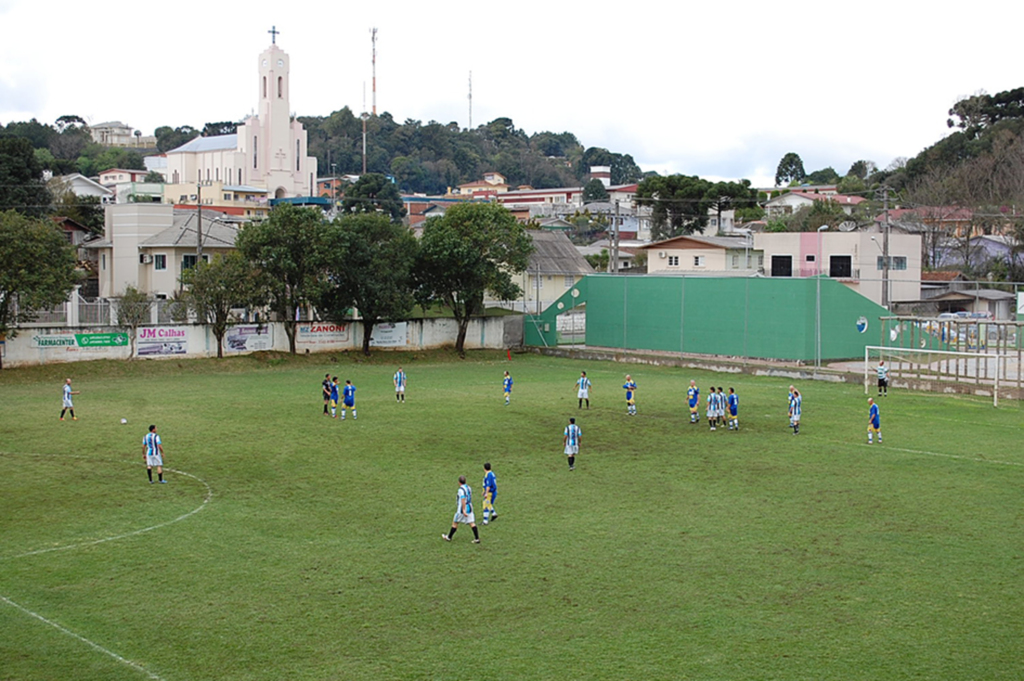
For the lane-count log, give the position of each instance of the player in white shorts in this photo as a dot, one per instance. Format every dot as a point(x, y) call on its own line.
point(583, 392)
point(400, 380)
point(153, 451)
point(463, 512)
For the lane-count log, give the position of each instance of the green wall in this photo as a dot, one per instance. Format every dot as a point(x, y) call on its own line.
point(746, 317)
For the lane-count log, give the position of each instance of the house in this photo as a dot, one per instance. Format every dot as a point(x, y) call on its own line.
point(987, 303)
point(114, 176)
point(492, 184)
point(979, 252)
point(936, 283)
point(117, 134)
point(148, 245)
point(698, 254)
point(79, 185)
point(791, 202)
point(555, 266)
point(854, 258)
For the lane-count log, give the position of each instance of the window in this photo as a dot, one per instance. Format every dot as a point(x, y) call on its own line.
point(280, 87)
point(760, 262)
point(103, 261)
point(189, 261)
point(160, 261)
point(142, 258)
point(673, 261)
point(840, 266)
point(735, 261)
point(227, 196)
point(297, 155)
point(264, 87)
point(255, 150)
point(239, 176)
point(698, 261)
point(896, 262)
point(810, 258)
point(216, 174)
point(782, 266)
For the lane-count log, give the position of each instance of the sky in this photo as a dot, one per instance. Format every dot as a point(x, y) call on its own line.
point(719, 90)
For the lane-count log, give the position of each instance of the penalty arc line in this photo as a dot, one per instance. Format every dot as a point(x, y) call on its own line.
point(94, 646)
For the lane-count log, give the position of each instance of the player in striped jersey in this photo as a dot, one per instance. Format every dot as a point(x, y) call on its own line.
point(583, 390)
point(883, 378)
point(463, 512)
point(572, 438)
point(712, 408)
point(693, 401)
point(153, 453)
point(68, 404)
point(720, 407)
point(400, 379)
point(796, 406)
point(874, 421)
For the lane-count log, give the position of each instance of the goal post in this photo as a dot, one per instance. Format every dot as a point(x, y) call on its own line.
point(943, 366)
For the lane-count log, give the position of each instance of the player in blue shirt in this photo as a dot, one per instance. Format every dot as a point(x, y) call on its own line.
point(630, 388)
point(490, 487)
point(795, 407)
point(334, 397)
point(734, 410)
point(348, 396)
point(874, 421)
point(400, 380)
point(507, 387)
point(583, 390)
point(693, 400)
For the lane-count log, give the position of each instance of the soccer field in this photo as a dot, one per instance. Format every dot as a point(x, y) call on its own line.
point(292, 546)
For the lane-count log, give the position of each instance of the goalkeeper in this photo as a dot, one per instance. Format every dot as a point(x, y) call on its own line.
point(490, 485)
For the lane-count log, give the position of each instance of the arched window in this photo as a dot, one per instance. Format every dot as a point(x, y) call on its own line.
point(239, 176)
point(280, 87)
point(297, 155)
point(264, 87)
point(255, 141)
point(217, 175)
point(175, 177)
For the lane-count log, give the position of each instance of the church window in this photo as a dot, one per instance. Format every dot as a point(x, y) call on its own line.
point(297, 155)
point(280, 87)
point(255, 141)
point(175, 176)
point(207, 174)
point(217, 175)
point(239, 176)
point(264, 87)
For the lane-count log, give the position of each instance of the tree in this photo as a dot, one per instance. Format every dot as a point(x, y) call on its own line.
point(133, 308)
point(473, 248)
point(373, 193)
point(37, 270)
point(85, 210)
point(824, 176)
point(154, 176)
point(168, 138)
point(286, 250)
point(678, 203)
point(723, 196)
point(790, 168)
point(599, 261)
point(594, 191)
point(212, 290)
point(862, 169)
point(219, 128)
point(21, 184)
point(369, 266)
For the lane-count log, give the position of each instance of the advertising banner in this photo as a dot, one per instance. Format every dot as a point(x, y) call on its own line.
point(322, 333)
point(162, 340)
point(389, 335)
point(101, 340)
point(249, 338)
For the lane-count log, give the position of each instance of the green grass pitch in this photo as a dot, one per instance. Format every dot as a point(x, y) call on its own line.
point(292, 546)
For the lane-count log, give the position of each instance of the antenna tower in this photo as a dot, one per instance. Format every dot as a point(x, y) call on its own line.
point(373, 40)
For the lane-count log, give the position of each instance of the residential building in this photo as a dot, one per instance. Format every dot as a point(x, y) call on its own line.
point(79, 185)
point(492, 185)
point(117, 134)
point(697, 254)
point(241, 201)
point(268, 150)
point(790, 202)
point(148, 245)
point(115, 176)
point(555, 266)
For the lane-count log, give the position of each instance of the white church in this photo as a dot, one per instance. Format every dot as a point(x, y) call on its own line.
point(268, 151)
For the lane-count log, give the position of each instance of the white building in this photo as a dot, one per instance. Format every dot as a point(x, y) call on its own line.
point(268, 150)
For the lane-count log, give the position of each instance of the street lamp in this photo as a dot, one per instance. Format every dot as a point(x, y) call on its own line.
point(885, 274)
point(746, 247)
point(817, 316)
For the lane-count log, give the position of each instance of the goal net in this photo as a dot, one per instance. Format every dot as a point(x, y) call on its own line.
point(988, 371)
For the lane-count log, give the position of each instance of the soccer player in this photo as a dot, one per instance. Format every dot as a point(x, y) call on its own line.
point(693, 399)
point(463, 512)
point(796, 405)
point(153, 453)
point(712, 408)
point(334, 398)
point(68, 405)
point(874, 421)
point(348, 395)
point(583, 392)
point(326, 387)
point(490, 487)
point(630, 388)
point(734, 410)
point(507, 387)
point(883, 379)
point(720, 407)
point(572, 438)
point(400, 380)
point(791, 389)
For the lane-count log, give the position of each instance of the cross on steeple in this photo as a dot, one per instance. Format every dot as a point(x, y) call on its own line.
point(273, 34)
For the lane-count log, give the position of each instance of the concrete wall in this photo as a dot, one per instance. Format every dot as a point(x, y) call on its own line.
point(62, 344)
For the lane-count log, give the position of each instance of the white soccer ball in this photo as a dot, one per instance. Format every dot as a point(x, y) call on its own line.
point(124, 421)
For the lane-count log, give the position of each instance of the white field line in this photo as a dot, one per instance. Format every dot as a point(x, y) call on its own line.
point(973, 459)
point(68, 632)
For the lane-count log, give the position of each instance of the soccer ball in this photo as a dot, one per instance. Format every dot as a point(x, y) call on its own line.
point(124, 421)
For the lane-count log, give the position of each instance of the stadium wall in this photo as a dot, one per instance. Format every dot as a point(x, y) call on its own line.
point(46, 345)
point(756, 317)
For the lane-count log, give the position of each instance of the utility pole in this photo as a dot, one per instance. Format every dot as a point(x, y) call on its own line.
point(364, 117)
point(199, 222)
point(615, 240)
point(885, 248)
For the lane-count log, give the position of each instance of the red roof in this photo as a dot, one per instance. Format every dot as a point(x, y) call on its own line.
point(940, 276)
